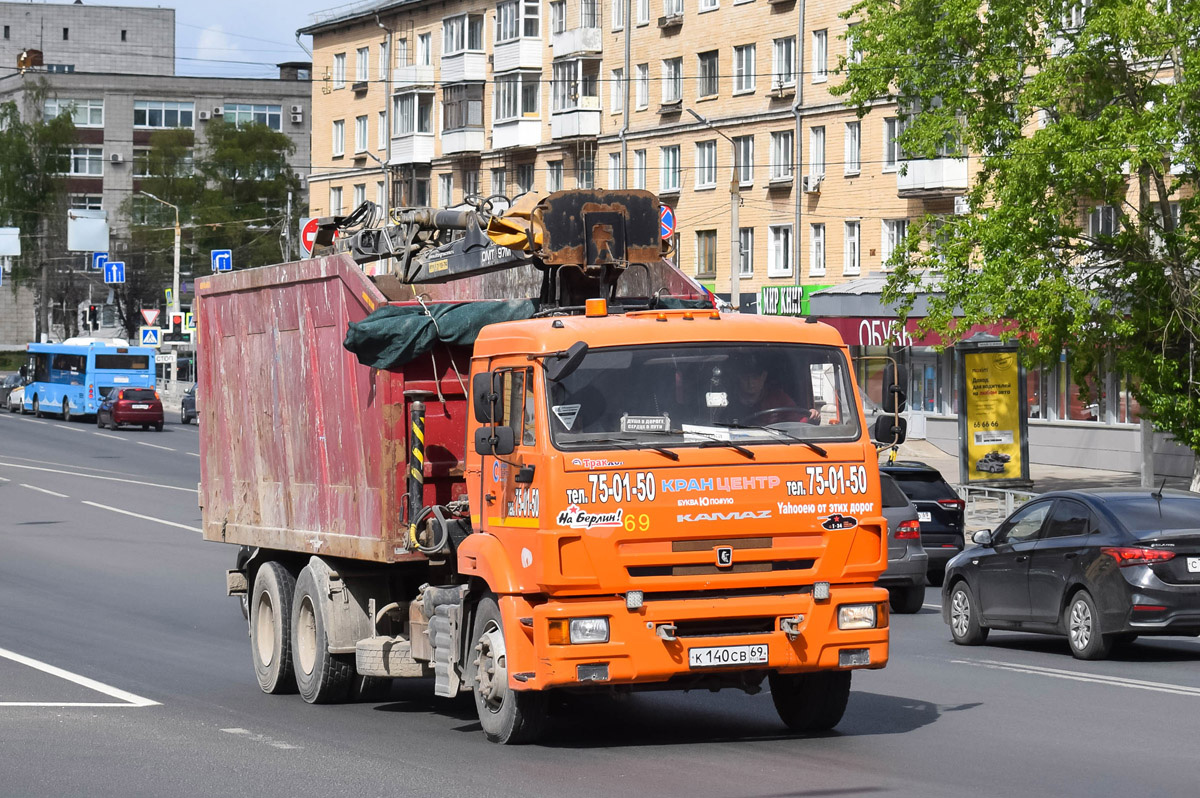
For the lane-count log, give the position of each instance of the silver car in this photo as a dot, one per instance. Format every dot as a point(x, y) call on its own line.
point(907, 561)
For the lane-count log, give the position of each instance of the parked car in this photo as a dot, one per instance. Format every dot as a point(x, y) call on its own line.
point(939, 509)
point(131, 406)
point(16, 399)
point(905, 577)
point(1099, 566)
point(187, 406)
point(7, 385)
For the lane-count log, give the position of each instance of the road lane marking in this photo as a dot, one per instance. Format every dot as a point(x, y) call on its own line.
point(35, 421)
point(155, 446)
point(261, 738)
point(144, 517)
point(194, 454)
point(106, 435)
point(43, 490)
point(97, 476)
point(128, 699)
point(1077, 676)
point(931, 606)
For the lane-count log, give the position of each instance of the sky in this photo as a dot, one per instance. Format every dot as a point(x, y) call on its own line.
point(211, 35)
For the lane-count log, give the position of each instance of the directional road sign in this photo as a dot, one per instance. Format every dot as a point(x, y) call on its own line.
point(150, 336)
point(666, 222)
point(222, 260)
point(99, 259)
point(150, 316)
point(189, 321)
point(114, 271)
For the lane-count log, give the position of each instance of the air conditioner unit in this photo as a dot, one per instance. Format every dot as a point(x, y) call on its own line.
point(812, 183)
point(297, 118)
point(297, 109)
point(203, 116)
point(218, 111)
point(116, 157)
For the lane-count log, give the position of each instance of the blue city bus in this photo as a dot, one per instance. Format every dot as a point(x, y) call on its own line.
point(72, 379)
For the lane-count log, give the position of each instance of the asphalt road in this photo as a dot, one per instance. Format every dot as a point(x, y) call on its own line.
point(125, 671)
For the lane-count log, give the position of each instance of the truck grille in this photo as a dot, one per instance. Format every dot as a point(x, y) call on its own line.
point(721, 627)
point(705, 570)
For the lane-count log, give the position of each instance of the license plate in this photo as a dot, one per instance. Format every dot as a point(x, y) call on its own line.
point(725, 656)
point(924, 517)
point(141, 407)
point(1194, 565)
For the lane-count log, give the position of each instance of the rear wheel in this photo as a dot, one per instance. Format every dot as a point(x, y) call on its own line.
point(907, 600)
point(37, 408)
point(99, 423)
point(507, 716)
point(1084, 633)
point(965, 627)
point(271, 628)
point(183, 417)
point(810, 702)
point(66, 410)
point(321, 677)
point(158, 427)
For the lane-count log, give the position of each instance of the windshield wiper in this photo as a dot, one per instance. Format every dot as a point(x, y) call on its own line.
point(712, 442)
point(633, 447)
point(818, 449)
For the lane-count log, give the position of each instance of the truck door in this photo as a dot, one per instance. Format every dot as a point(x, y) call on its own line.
point(510, 497)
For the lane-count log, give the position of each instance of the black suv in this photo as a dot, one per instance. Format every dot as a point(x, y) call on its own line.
point(939, 510)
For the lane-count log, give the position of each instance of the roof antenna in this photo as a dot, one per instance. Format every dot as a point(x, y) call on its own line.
point(1157, 495)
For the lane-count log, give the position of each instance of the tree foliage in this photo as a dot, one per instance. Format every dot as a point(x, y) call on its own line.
point(1061, 108)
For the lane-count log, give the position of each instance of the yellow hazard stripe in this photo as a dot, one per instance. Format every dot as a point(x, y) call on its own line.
point(420, 455)
point(416, 473)
point(419, 434)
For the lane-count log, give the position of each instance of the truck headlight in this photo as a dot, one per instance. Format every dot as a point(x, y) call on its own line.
point(856, 616)
point(578, 631)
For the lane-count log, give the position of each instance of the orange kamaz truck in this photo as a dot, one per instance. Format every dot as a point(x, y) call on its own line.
point(527, 454)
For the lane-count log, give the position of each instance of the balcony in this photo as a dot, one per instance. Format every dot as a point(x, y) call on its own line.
point(575, 122)
point(412, 148)
point(576, 42)
point(936, 177)
point(464, 67)
point(465, 139)
point(412, 76)
point(517, 54)
point(514, 133)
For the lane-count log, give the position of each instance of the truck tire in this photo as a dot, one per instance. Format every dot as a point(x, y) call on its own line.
point(271, 628)
point(321, 677)
point(907, 600)
point(810, 702)
point(508, 717)
point(67, 411)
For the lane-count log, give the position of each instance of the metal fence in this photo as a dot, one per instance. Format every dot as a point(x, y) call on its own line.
point(987, 507)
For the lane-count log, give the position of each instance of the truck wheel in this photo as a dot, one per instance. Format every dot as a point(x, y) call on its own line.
point(810, 702)
point(322, 678)
point(67, 411)
point(508, 716)
point(907, 600)
point(271, 628)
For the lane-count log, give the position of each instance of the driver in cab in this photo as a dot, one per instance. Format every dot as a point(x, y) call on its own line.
point(756, 398)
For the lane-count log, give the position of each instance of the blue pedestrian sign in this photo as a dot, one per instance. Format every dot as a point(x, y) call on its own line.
point(99, 259)
point(114, 271)
point(666, 222)
point(151, 336)
point(222, 260)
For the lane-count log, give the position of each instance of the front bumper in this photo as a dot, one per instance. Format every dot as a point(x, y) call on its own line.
point(636, 654)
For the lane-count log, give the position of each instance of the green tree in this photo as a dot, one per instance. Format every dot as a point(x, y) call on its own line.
point(1063, 108)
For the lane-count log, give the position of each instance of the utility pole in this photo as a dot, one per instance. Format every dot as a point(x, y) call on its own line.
point(174, 307)
point(735, 202)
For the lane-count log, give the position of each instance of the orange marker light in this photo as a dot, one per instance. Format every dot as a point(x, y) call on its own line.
point(594, 308)
point(661, 317)
point(688, 317)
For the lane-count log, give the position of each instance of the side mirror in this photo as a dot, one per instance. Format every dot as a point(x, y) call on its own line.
point(495, 440)
point(563, 365)
point(485, 395)
point(982, 538)
point(890, 430)
point(895, 377)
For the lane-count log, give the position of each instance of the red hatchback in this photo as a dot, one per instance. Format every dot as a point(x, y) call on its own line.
point(131, 406)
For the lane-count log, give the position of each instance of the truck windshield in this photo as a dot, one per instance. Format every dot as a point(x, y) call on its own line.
point(690, 394)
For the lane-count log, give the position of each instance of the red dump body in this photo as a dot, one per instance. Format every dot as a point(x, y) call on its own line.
point(310, 446)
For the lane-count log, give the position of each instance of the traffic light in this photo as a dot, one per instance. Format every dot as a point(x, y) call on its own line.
point(92, 316)
point(175, 332)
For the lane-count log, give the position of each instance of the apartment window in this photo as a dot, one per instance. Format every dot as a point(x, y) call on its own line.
point(84, 113)
point(672, 8)
point(851, 250)
point(853, 157)
point(706, 253)
point(781, 155)
point(816, 250)
point(250, 114)
point(779, 260)
point(339, 70)
point(7, 32)
point(672, 83)
point(360, 134)
point(470, 181)
point(894, 231)
point(783, 69)
point(66, 34)
point(462, 33)
point(614, 170)
point(425, 49)
point(558, 16)
point(420, 192)
point(668, 164)
point(554, 176)
point(618, 14)
point(525, 177)
point(639, 169)
point(892, 152)
point(709, 5)
point(709, 70)
point(87, 202)
point(816, 151)
point(585, 171)
point(643, 12)
point(531, 19)
point(360, 194)
point(380, 194)
point(706, 164)
point(384, 65)
point(335, 201)
point(745, 251)
point(617, 92)
point(820, 56)
point(381, 134)
point(641, 87)
point(853, 54)
point(446, 190)
point(184, 166)
point(500, 182)
point(362, 66)
point(462, 106)
point(1102, 222)
point(339, 138)
point(743, 153)
point(743, 68)
point(516, 96)
point(412, 112)
point(162, 114)
point(1073, 19)
point(508, 21)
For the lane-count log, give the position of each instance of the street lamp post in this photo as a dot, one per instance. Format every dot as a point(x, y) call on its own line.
point(174, 308)
point(735, 202)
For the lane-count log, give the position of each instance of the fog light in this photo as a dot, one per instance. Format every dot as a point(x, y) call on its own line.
point(821, 591)
point(633, 599)
point(851, 657)
point(856, 616)
point(592, 673)
point(589, 630)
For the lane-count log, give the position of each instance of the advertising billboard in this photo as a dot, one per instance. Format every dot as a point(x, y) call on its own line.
point(992, 418)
